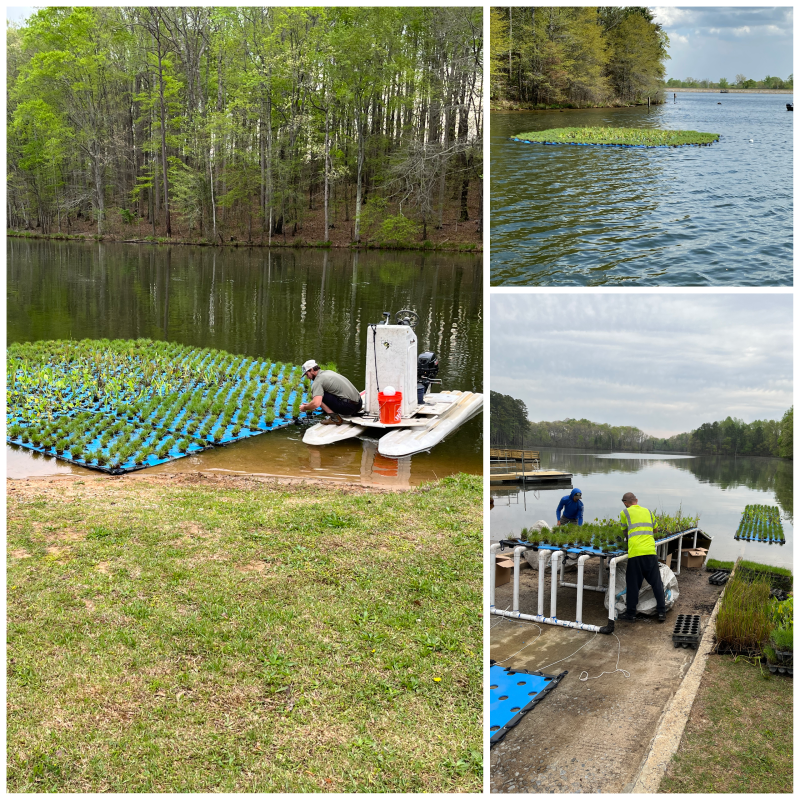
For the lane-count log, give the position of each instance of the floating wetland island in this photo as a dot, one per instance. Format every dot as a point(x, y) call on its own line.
point(122, 405)
point(618, 137)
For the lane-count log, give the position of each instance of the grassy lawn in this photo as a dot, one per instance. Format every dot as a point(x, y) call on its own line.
point(620, 136)
point(241, 636)
point(739, 735)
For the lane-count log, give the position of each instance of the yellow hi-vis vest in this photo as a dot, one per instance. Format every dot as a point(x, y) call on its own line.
point(640, 523)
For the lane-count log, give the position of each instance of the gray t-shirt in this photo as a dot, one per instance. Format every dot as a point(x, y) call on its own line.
point(334, 383)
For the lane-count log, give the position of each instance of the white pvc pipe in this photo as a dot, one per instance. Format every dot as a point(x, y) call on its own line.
point(554, 582)
point(579, 602)
point(517, 552)
point(612, 587)
point(493, 572)
point(562, 623)
point(542, 569)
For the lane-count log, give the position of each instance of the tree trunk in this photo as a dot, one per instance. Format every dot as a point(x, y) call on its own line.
point(163, 113)
point(327, 169)
point(357, 233)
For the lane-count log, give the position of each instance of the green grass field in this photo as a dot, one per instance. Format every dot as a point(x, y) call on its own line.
point(620, 136)
point(738, 739)
point(237, 636)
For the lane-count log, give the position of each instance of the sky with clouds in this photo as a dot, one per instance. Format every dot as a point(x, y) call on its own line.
point(664, 363)
point(716, 43)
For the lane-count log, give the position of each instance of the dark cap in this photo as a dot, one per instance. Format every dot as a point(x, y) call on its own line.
point(629, 497)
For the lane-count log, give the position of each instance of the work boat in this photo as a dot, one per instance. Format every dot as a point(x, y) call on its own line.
point(398, 402)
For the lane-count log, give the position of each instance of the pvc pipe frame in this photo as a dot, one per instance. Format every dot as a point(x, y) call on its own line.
point(554, 584)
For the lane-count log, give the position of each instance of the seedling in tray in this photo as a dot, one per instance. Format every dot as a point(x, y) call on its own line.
point(123, 404)
point(761, 523)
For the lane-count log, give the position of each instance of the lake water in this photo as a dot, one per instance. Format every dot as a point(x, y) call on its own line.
point(687, 216)
point(716, 488)
point(288, 305)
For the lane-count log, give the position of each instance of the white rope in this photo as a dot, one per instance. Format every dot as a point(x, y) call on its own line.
point(624, 672)
point(527, 645)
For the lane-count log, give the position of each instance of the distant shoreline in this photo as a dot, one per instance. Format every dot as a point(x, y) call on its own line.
point(669, 89)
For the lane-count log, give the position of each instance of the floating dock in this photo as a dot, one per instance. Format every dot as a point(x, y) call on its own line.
point(531, 476)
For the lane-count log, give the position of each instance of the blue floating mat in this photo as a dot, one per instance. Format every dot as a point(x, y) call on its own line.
point(513, 694)
point(118, 406)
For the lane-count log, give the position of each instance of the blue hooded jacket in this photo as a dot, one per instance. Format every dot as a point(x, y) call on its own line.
point(572, 508)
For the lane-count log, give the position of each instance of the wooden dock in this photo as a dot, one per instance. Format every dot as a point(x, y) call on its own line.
point(515, 454)
point(530, 476)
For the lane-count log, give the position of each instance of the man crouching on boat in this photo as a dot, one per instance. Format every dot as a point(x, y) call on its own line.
point(331, 392)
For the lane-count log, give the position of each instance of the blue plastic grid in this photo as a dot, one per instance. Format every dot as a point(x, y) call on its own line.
point(512, 694)
point(103, 411)
point(757, 530)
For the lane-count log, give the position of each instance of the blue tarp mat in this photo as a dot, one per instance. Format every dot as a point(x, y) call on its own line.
point(512, 695)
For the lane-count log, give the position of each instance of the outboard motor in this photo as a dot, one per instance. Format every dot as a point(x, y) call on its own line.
point(427, 370)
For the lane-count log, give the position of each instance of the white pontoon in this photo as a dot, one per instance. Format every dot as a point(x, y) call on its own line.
point(426, 417)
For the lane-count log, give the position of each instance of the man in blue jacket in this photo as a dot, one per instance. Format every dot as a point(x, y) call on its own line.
point(572, 506)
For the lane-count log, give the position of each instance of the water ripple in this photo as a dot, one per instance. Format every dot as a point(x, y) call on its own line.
point(712, 216)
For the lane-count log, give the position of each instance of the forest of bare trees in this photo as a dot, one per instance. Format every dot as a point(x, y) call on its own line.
point(352, 124)
point(548, 56)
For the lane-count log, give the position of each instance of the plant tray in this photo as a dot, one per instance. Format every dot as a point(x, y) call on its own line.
point(686, 632)
point(725, 650)
point(119, 406)
point(761, 523)
point(780, 669)
point(785, 655)
point(719, 578)
point(513, 694)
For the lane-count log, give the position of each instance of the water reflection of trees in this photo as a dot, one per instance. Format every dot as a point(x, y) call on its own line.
point(761, 474)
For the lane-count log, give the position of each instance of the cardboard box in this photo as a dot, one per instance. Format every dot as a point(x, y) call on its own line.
point(694, 557)
point(503, 570)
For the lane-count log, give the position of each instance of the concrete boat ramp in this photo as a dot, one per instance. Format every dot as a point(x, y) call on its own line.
point(592, 735)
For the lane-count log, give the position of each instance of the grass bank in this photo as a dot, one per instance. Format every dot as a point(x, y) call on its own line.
point(630, 137)
point(739, 735)
point(458, 247)
point(197, 634)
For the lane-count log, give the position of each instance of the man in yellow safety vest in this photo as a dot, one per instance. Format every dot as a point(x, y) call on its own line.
point(640, 525)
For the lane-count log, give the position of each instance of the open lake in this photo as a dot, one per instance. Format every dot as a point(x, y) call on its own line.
point(688, 216)
point(287, 305)
point(715, 487)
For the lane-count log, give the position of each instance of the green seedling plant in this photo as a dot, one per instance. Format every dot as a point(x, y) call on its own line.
point(782, 639)
point(84, 388)
point(743, 619)
point(761, 523)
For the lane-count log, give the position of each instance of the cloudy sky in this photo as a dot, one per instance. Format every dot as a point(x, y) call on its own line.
point(719, 43)
point(665, 363)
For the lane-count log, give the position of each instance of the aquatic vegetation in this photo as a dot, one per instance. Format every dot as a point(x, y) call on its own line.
point(761, 523)
point(605, 535)
point(743, 620)
point(667, 524)
point(783, 638)
point(617, 137)
point(713, 564)
point(119, 405)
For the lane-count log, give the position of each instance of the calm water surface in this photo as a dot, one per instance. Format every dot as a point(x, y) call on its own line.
point(289, 305)
point(688, 216)
point(714, 487)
